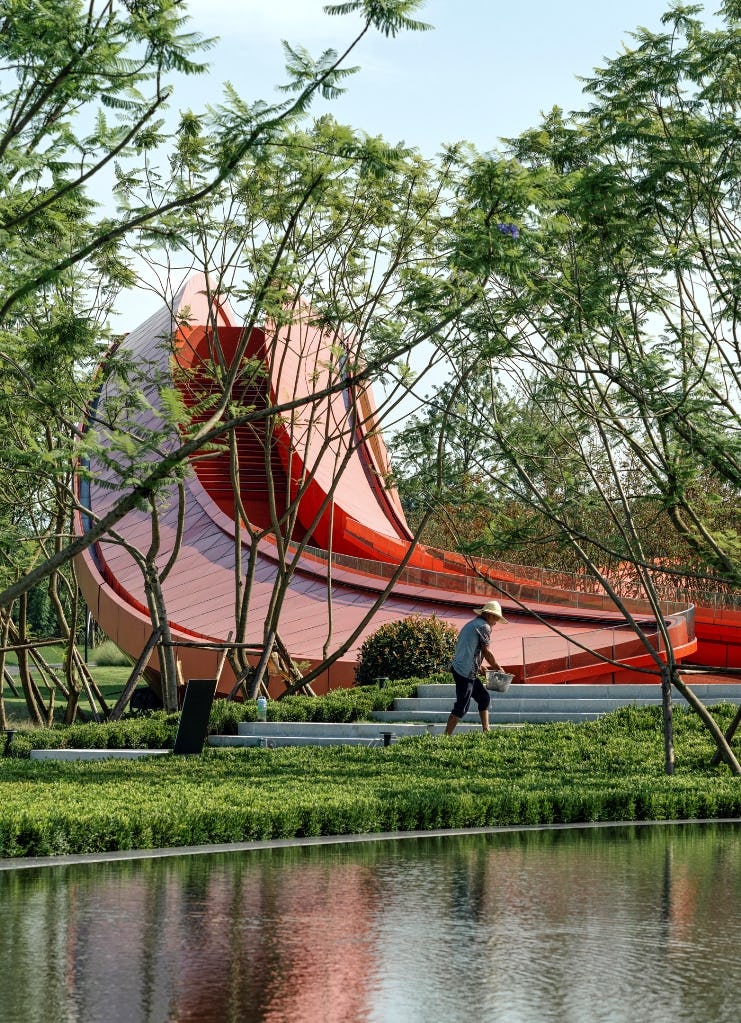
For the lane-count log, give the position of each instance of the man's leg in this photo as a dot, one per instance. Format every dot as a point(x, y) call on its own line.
point(483, 698)
point(463, 688)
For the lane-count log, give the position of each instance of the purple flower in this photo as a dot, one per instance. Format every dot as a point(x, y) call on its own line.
point(511, 229)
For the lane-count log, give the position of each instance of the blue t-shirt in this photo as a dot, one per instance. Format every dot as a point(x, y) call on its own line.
point(473, 639)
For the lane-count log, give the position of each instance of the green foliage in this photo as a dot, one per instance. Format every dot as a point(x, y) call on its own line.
point(157, 729)
point(409, 646)
point(388, 16)
point(596, 406)
point(92, 77)
point(42, 621)
point(604, 770)
point(153, 731)
point(108, 655)
point(643, 204)
point(226, 715)
point(355, 704)
point(82, 88)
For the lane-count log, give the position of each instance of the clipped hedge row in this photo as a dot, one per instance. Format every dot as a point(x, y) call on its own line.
point(155, 731)
point(605, 770)
point(158, 729)
point(120, 824)
point(344, 705)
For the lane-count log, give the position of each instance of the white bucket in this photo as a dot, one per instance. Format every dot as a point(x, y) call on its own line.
point(499, 681)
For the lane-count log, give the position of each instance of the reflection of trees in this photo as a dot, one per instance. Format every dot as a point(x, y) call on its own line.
point(533, 925)
point(33, 938)
point(266, 938)
point(560, 923)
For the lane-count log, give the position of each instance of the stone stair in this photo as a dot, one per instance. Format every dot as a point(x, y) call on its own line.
point(308, 733)
point(532, 704)
point(427, 713)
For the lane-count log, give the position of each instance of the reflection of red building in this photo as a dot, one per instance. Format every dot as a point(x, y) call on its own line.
point(293, 942)
point(189, 942)
point(363, 525)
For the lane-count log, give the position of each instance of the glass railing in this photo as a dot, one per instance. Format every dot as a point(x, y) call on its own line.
point(521, 583)
point(542, 655)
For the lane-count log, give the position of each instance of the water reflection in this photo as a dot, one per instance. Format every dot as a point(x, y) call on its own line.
point(531, 927)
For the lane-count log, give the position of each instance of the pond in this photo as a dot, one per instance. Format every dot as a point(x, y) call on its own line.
point(572, 925)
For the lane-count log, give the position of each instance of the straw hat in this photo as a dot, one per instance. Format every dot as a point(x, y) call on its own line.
point(492, 608)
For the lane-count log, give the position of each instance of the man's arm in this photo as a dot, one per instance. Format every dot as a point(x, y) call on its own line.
point(491, 660)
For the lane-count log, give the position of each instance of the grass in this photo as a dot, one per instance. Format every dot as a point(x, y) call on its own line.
point(107, 654)
point(605, 770)
point(110, 680)
point(52, 654)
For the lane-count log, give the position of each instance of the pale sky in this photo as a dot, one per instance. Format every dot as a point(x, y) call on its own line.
point(486, 71)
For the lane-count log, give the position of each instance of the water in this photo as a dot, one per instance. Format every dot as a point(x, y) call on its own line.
point(569, 926)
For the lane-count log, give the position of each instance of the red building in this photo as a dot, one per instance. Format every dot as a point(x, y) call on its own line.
point(326, 466)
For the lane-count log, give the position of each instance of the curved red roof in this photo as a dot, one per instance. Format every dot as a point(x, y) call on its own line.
point(354, 513)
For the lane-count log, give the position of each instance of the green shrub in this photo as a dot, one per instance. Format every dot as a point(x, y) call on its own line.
point(410, 646)
point(356, 704)
point(610, 769)
point(20, 746)
point(226, 715)
point(156, 731)
point(110, 656)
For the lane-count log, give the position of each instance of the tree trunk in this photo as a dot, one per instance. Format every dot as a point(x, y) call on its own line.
point(259, 673)
point(31, 694)
point(295, 683)
point(732, 728)
point(724, 750)
point(168, 666)
point(135, 675)
point(667, 717)
point(5, 619)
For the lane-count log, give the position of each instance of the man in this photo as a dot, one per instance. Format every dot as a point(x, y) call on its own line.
point(473, 647)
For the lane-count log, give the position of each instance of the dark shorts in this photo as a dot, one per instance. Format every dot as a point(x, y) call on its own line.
point(465, 689)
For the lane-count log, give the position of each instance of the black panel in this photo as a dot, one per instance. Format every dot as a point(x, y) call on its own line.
point(199, 696)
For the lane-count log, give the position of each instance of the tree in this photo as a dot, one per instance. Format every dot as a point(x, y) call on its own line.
point(83, 88)
point(326, 232)
point(83, 63)
point(617, 400)
point(648, 348)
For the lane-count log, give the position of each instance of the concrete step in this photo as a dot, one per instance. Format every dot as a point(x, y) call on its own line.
point(272, 741)
point(504, 703)
point(272, 734)
point(428, 713)
point(530, 716)
point(730, 692)
point(324, 729)
point(541, 703)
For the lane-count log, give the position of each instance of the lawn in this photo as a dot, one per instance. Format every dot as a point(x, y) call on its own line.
point(605, 770)
point(110, 680)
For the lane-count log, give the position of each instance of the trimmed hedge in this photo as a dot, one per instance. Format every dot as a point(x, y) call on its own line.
point(605, 770)
point(155, 731)
point(158, 729)
point(356, 704)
